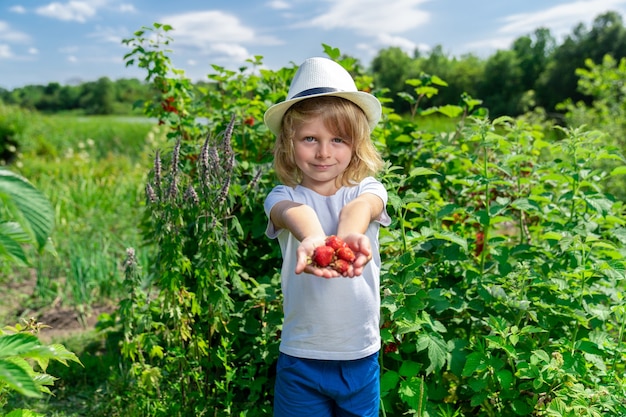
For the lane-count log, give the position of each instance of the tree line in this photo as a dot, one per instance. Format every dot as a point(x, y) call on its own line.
point(536, 71)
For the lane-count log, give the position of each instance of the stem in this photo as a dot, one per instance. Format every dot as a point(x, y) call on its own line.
point(403, 232)
point(483, 256)
point(620, 336)
point(421, 399)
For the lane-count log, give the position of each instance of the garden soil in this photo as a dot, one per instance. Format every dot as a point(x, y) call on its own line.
point(58, 322)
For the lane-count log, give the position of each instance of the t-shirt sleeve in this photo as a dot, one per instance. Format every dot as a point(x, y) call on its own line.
point(373, 186)
point(278, 194)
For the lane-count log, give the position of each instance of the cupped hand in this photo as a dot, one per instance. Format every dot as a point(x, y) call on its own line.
point(359, 243)
point(304, 253)
point(362, 248)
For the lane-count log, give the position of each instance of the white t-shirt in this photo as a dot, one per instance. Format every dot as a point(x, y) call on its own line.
point(337, 318)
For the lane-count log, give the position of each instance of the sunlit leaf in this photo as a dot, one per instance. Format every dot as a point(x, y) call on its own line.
point(18, 379)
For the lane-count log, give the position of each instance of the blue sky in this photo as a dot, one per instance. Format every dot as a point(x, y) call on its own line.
point(70, 41)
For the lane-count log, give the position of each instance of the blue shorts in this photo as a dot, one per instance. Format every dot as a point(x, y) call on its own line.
point(324, 388)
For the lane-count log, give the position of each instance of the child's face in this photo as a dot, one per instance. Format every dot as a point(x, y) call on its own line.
point(320, 155)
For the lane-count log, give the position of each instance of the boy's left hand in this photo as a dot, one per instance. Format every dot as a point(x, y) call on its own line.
point(362, 248)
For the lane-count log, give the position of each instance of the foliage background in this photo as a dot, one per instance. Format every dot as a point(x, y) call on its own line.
point(504, 267)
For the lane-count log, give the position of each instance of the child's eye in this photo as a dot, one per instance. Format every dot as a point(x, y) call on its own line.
point(309, 139)
point(338, 140)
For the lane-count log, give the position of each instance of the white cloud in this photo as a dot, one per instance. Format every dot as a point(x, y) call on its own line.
point(5, 51)
point(487, 46)
point(33, 51)
point(278, 5)
point(203, 28)
point(79, 11)
point(384, 40)
point(71, 58)
point(68, 50)
point(408, 46)
point(215, 33)
point(127, 8)
point(109, 34)
point(236, 52)
point(18, 9)
point(10, 35)
point(560, 20)
point(371, 17)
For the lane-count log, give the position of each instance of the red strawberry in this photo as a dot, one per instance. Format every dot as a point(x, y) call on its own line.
point(334, 242)
point(346, 254)
point(341, 266)
point(323, 256)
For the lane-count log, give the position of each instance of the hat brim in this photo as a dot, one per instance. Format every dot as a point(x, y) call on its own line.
point(367, 102)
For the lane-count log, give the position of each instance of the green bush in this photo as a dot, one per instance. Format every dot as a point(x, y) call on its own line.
point(13, 123)
point(503, 268)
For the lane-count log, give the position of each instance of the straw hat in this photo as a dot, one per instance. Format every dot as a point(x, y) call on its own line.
point(318, 77)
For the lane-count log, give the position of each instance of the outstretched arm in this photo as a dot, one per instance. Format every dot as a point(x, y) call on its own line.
point(354, 220)
point(302, 221)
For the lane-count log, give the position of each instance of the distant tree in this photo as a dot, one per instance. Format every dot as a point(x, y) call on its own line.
point(129, 90)
point(533, 53)
point(391, 68)
point(68, 97)
point(462, 74)
point(464, 77)
point(50, 99)
point(501, 88)
point(559, 80)
point(97, 97)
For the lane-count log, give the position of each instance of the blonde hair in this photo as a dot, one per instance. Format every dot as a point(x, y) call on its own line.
point(342, 117)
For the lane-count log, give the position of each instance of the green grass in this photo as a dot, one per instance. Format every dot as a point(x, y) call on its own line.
point(93, 171)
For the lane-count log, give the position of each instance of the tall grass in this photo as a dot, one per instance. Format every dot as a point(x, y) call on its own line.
point(93, 171)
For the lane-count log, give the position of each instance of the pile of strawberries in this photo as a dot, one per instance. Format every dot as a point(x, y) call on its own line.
point(334, 254)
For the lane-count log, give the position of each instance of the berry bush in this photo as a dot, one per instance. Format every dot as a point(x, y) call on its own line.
point(503, 269)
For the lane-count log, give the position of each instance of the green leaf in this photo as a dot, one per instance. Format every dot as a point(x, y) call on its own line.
point(413, 392)
point(17, 344)
point(389, 381)
point(525, 204)
point(11, 237)
point(18, 379)
point(437, 350)
point(521, 408)
point(621, 170)
point(409, 368)
point(451, 237)
point(552, 236)
point(505, 378)
point(56, 352)
point(23, 413)
point(588, 347)
point(475, 361)
point(420, 171)
point(438, 81)
point(450, 110)
point(406, 96)
point(29, 207)
point(426, 90)
point(479, 398)
point(333, 53)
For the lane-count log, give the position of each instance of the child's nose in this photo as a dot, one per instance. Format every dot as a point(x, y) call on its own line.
point(323, 150)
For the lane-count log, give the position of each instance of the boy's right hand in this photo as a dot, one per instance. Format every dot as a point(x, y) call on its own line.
point(305, 252)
